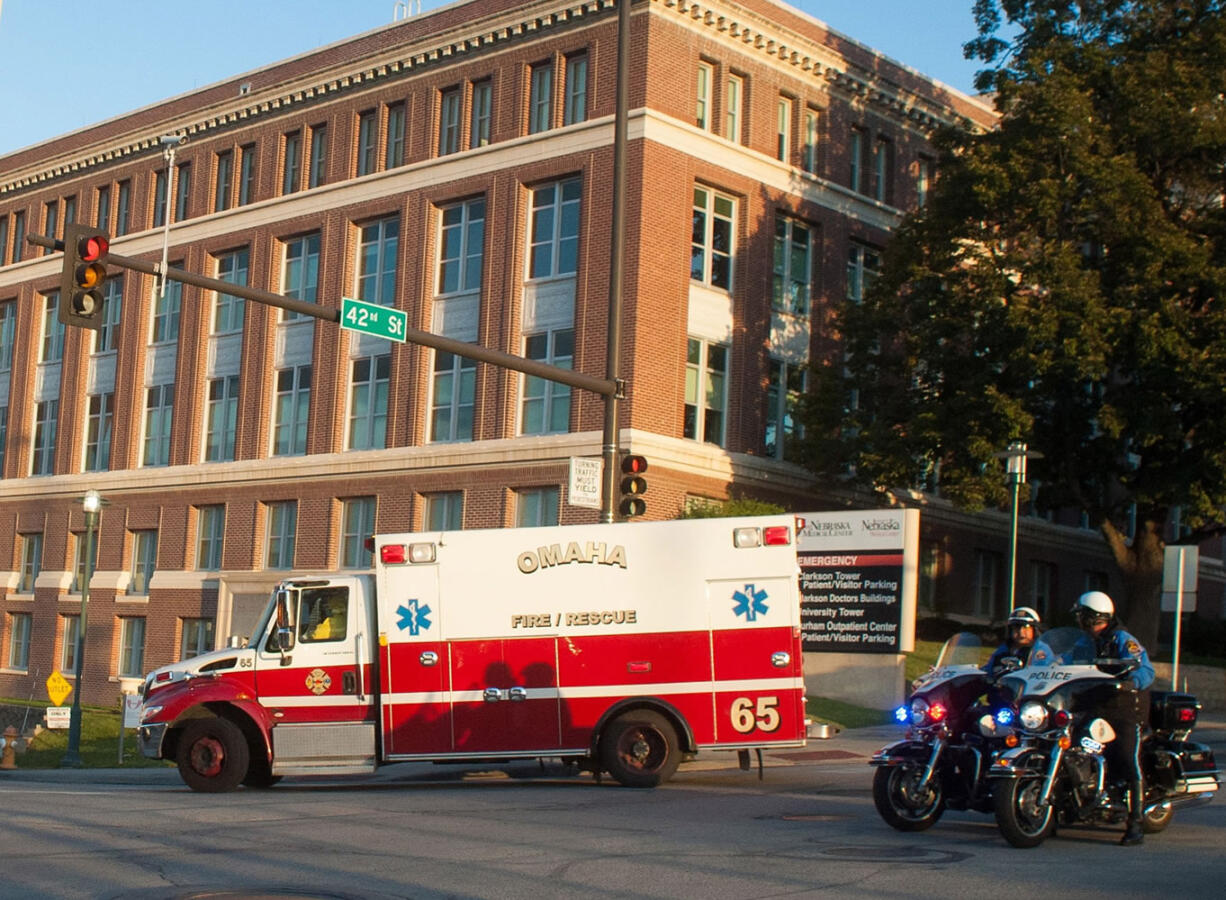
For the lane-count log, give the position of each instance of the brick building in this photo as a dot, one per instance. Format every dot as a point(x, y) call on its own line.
point(456, 165)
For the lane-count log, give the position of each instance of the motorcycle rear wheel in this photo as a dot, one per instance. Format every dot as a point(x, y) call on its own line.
point(1158, 819)
point(900, 800)
point(1021, 820)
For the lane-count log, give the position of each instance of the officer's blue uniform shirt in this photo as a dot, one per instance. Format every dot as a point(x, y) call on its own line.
point(1022, 653)
point(1115, 643)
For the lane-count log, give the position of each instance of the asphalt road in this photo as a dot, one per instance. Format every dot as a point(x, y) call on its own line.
point(806, 829)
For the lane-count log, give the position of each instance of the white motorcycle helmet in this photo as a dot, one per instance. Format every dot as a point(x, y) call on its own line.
point(1093, 606)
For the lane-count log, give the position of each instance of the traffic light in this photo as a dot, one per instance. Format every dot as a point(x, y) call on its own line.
point(633, 486)
point(85, 250)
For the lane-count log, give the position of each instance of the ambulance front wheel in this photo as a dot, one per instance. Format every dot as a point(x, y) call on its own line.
point(213, 755)
point(639, 749)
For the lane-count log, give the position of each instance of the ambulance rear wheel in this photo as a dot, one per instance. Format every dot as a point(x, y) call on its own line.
point(213, 756)
point(639, 749)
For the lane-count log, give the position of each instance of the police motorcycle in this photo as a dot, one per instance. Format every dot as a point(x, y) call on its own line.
point(944, 760)
point(1057, 774)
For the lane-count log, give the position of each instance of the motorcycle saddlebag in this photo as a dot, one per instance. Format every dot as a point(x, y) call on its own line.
point(1185, 767)
point(1172, 711)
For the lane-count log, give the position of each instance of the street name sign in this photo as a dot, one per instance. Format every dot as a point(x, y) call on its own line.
point(371, 318)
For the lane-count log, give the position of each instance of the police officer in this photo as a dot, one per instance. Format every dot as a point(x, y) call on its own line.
point(1128, 710)
point(1021, 629)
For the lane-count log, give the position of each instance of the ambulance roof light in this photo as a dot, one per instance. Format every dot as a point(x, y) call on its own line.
point(777, 536)
point(391, 554)
point(747, 537)
point(421, 553)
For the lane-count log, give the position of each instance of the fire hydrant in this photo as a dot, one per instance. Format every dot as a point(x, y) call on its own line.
point(9, 760)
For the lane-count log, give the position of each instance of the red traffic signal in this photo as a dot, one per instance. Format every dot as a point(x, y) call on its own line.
point(633, 486)
point(85, 250)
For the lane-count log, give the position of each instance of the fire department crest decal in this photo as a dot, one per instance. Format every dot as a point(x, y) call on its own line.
point(318, 681)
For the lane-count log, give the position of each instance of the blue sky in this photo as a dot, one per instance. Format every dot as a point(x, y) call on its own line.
point(154, 50)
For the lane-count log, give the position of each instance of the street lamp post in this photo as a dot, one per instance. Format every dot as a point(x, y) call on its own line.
point(92, 504)
point(1015, 457)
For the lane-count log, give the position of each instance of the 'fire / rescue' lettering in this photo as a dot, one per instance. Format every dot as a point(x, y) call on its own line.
point(553, 555)
point(601, 617)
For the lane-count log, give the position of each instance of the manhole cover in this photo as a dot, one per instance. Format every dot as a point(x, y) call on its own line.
point(905, 855)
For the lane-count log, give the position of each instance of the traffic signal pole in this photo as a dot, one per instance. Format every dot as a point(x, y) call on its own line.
point(604, 386)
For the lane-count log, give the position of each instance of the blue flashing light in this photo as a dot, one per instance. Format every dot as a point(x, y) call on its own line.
point(902, 715)
point(1004, 716)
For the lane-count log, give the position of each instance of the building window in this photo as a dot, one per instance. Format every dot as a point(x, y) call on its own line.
point(43, 457)
point(453, 395)
point(783, 397)
point(107, 340)
point(706, 399)
point(366, 142)
point(246, 174)
point(292, 405)
point(540, 98)
point(301, 278)
point(292, 163)
point(449, 121)
point(225, 172)
point(123, 208)
point(99, 414)
point(702, 113)
point(711, 243)
point(445, 511)
point(4, 240)
point(70, 630)
point(987, 583)
point(70, 210)
point(51, 217)
point(8, 333)
point(1042, 587)
point(923, 181)
point(222, 419)
point(783, 129)
point(733, 98)
point(53, 329)
point(393, 154)
point(1096, 581)
point(166, 309)
point(546, 408)
point(575, 107)
point(4, 436)
point(357, 524)
point(19, 641)
point(282, 532)
point(19, 235)
point(368, 402)
point(159, 199)
point(856, 154)
point(536, 506)
point(863, 267)
point(461, 247)
point(377, 248)
point(144, 561)
point(930, 562)
point(554, 233)
point(79, 541)
point(210, 534)
point(479, 127)
point(132, 648)
point(31, 562)
point(228, 309)
point(319, 156)
point(791, 289)
point(183, 191)
point(883, 166)
point(159, 406)
point(197, 638)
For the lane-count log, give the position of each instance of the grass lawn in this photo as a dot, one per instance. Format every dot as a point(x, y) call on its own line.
point(99, 747)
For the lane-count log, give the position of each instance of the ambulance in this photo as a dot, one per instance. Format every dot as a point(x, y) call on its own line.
point(619, 648)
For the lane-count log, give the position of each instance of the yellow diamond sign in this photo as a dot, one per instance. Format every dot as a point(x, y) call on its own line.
point(58, 688)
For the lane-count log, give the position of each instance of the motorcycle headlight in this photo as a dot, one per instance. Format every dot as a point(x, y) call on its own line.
point(1033, 715)
point(919, 711)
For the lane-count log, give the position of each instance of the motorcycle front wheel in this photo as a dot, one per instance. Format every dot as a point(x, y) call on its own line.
point(902, 802)
point(1021, 819)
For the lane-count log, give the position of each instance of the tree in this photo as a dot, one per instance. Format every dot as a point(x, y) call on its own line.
point(1063, 287)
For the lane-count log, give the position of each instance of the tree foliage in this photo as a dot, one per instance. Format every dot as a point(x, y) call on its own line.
point(1062, 287)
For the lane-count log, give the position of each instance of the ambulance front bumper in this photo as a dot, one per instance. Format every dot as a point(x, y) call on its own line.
point(151, 737)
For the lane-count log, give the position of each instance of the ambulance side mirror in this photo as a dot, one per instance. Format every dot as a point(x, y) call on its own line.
point(283, 635)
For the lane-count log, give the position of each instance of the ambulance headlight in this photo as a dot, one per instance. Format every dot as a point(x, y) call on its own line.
point(1033, 715)
point(149, 712)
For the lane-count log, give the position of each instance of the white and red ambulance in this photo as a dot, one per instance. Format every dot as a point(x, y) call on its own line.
point(622, 648)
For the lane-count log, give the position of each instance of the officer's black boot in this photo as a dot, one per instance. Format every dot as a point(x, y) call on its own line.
point(1134, 833)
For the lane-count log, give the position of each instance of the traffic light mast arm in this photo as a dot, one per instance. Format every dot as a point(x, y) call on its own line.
point(603, 386)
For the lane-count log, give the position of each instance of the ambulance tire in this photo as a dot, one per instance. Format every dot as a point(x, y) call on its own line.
point(213, 755)
point(640, 749)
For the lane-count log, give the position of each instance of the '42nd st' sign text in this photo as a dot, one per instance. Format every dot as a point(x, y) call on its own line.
point(371, 318)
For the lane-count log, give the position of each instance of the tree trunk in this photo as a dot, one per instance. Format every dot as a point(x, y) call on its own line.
point(1140, 564)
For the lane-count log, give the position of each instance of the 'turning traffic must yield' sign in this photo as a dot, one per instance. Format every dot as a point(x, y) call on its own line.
point(371, 318)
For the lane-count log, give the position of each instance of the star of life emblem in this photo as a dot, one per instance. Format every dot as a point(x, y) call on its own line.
point(750, 603)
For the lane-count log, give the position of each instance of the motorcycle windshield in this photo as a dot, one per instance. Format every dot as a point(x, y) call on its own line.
point(1062, 646)
point(963, 649)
